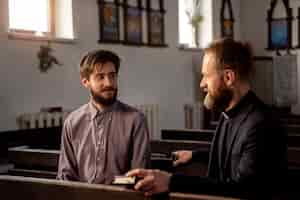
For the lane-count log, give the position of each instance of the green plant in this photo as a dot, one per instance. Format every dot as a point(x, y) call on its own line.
point(194, 13)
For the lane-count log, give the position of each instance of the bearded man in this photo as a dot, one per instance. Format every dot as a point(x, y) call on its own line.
point(105, 137)
point(248, 151)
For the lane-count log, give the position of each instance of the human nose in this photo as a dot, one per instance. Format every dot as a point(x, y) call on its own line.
point(202, 83)
point(108, 81)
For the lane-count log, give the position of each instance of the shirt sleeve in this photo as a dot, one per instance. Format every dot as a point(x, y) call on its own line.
point(67, 168)
point(141, 143)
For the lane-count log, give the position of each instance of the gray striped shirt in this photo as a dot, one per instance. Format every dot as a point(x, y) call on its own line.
point(96, 145)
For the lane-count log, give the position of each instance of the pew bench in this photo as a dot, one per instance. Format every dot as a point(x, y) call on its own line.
point(293, 139)
point(187, 134)
point(43, 163)
point(16, 188)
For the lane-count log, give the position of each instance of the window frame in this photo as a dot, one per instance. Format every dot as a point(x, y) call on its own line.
point(46, 36)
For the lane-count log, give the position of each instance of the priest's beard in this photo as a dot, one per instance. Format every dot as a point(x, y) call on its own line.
point(220, 100)
point(100, 99)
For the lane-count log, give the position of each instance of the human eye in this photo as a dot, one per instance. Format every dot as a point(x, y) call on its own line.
point(112, 75)
point(100, 76)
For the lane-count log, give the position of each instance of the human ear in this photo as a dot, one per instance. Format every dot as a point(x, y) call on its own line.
point(229, 77)
point(85, 82)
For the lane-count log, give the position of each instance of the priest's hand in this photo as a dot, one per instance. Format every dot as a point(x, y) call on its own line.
point(151, 181)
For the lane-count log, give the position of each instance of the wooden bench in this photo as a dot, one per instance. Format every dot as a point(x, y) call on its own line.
point(43, 161)
point(16, 188)
point(292, 128)
point(198, 168)
point(34, 158)
point(42, 138)
point(187, 134)
point(286, 120)
point(47, 138)
point(293, 139)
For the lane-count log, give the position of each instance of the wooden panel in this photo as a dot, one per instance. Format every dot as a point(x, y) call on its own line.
point(292, 128)
point(47, 160)
point(46, 189)
point(43, 137)
point(291, 121)
point(167, 146)
point(182, 196)
point(207, 135)
point(293, 140)
point(34, 158)
point(294, 156)
point(32, 173)
point(187, 134)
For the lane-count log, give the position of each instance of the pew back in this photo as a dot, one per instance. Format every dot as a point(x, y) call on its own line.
point(46, 189)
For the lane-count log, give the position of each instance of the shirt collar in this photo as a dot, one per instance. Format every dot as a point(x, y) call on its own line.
point(239, 106)
point(94, 110)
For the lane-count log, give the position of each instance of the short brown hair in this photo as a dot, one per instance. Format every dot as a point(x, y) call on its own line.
point(90, 59)
point(233, 55)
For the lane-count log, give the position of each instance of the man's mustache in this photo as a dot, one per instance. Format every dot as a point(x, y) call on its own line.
point(109, 89)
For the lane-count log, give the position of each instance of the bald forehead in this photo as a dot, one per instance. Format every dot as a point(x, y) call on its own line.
point(209, 63)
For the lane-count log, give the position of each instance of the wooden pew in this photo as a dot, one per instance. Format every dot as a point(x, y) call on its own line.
point(292, 128)
point(16, 188)
point(187, 134)
point(204, 147)
point(43, 138)
point(47, 138)
point(294, 157)
point(286, 120)
point(43, 163)
point(34, 158)
point(293, 139)
point(167, 146)
point(198, 168)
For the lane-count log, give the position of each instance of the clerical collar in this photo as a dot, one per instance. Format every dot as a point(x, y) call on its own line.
point(238, 107)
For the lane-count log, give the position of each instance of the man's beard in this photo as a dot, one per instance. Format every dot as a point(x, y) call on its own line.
point(100, 99)
point(220, 101)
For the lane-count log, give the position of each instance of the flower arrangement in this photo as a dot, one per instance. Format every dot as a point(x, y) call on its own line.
point(194, 14)
point(195, 17)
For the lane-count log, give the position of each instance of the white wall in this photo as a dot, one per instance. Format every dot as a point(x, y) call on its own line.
point(254, 29)
point(147, 75)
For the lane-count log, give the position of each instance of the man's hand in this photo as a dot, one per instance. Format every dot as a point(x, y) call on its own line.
point(182, 157)
point(152, 181)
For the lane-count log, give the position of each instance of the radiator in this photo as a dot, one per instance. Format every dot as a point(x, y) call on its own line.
point(194, 116)
point(53, 119)
point(151, 113)
point(41, 119)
